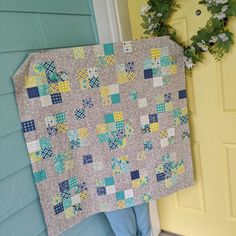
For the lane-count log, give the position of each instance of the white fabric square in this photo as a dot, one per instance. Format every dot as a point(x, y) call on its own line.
point(144, 120)
point(127, 46)
point(75, 199)
point(46, 101)
point(157, 81)
point(114, 88)
point(110, 189)
point(33, 146)
point(142, 102)
point(164, 142)
point(171, 132)
point(129, 193)
point(50, 120)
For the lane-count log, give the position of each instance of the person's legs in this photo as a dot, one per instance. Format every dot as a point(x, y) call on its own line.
point(123, 222)
point(143, 219)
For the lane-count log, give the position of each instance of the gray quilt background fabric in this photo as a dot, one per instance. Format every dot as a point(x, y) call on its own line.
point(106, 126)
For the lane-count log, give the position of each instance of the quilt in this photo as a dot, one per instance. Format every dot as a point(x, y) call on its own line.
point(106, 126)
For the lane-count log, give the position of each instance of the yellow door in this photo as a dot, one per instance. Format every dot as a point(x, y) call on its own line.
point(209, 207)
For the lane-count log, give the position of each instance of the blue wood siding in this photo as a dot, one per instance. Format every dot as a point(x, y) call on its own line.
point(26, 26)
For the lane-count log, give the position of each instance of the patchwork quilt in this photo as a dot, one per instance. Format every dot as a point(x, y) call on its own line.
point(106, 126)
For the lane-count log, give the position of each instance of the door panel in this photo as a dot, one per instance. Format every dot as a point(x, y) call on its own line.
point(209, 207)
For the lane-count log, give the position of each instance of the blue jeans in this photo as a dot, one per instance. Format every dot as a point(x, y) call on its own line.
point(133, 221)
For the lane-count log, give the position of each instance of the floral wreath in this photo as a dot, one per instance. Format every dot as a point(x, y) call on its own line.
point(214, 37)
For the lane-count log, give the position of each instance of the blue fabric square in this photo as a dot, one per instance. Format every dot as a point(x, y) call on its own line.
point(94, 82)
point(63, 186)
point(134, 174)
point(101, 191)
point(182, 94)
point(87, 159)
point(148, 74)
point(80, 113)
point(56, 98)
point(33, 92)
point(153, 118)
point(28, 126)
point(160, 177)
point(58, 208)
point(47, 153)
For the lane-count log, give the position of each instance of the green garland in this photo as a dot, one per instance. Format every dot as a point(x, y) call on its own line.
point(214, 37)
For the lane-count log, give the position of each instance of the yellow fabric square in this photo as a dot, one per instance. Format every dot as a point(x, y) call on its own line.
point(168, 106)
point(122, 78)
point(35, 158)
point(106, 100)
point(101, 128)
point(177, 121)
point(163, 133)
point(83, 132)
point(53, 88)
point(154, 127)
point(62, 128)
point(69, 212)
point(136, 183)
point(104, 90)
point(168, 183)
point(64, 86)
point(131, 76)
point(121, 203)
point(82, 74)
point(118, 116)
point(155, 53)
point(110, 60)
point(180, 169)
point(30, 82)
point(173, 69)
point(84, 195)
point(69, 164)
point(184, 111)
point(78, 53)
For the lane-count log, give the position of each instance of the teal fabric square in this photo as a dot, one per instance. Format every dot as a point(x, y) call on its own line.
point(73, 182)
point(109, 118)
point(115, 98)
point(120, 125)
point(43, 90)
point(54, 77)
point(129, 202)
point(67, 203)
point(103, 137)
point(109, 181)
point(165, 61)
point(161, 107)
point(120, 195)
point(40, 176)
point(156, 72)
point(60, 118)
point(108, 49)
point(44, 143)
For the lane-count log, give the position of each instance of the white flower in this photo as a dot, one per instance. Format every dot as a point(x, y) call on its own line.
point(225, 8)
point(223, 37)
point(220, 15)
point(220, 2)
point(188, 62)
point(213, 39)
point(151, 27)
point(144, 9)
point(159, 14)
point(202, 45)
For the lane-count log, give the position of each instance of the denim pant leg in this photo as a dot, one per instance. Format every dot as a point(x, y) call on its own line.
point(123, 222)
point(143, 219)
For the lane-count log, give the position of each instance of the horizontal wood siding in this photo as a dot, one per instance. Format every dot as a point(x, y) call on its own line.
point(26, 26)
